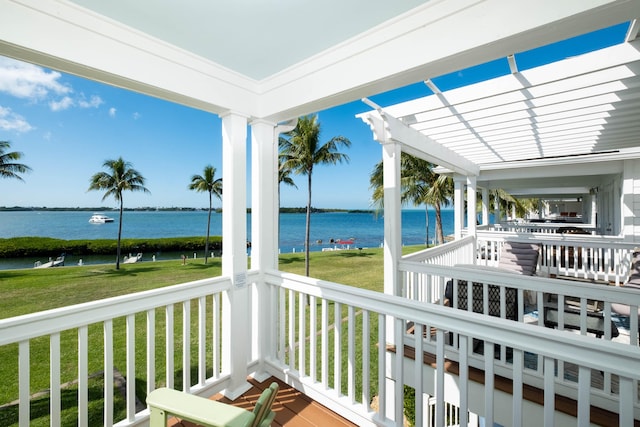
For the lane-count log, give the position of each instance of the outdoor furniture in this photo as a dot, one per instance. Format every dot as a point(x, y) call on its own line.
point(595, 322)
point(165, 402)
point(515, 257)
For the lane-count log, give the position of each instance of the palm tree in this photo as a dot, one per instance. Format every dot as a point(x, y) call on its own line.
point(8, 167)
point(207, 182)
point(121, 177)
point(420, 185)
point(301, 150)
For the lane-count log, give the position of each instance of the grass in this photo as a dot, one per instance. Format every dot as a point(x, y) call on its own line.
point(28, 291)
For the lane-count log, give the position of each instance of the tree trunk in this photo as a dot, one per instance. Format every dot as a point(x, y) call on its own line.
point(426, 216)
point(119, 236)
point(206, 242)
point(439, 233)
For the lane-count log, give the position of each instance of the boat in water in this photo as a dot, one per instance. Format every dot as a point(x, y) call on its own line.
point(132, 259)
point(58, 262)
point(100, 219)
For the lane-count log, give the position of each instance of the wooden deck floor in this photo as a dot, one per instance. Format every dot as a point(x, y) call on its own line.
point(292, 408)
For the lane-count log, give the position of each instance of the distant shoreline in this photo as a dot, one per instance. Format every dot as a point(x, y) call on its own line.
point(172, 209)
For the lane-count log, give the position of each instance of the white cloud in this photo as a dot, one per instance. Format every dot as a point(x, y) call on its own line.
point(136, 115)
point(94, 102)
point(112, 112)
point(11, 121)
point(29, 81)
point(62, 104)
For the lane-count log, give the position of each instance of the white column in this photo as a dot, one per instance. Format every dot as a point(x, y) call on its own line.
point(236, 304)
point(485, 206)
point(264, 235)
point(630, 201)
point(471, 205)
point(391, 153)
point(264, 196)
point(593, 210)
point(458, 205)
point(496, 210)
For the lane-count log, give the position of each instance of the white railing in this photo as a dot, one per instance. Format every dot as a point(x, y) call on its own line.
point(328, 344)
point(601, 258)
point(462, 251)
point(324, 338)
point(124, 331)
point(543, 227)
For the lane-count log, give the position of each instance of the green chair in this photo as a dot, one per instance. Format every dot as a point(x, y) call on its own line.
point(166, 402)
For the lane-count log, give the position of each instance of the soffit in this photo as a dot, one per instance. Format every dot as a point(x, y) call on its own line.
point(256, 38)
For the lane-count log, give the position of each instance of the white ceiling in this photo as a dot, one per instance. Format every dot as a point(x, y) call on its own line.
point(279, 59)
point(256, 38)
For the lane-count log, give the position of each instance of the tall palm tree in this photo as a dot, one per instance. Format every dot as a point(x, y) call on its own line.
point(207, 182)
point(420, 185)
point(121, 177)
point(301, 150)
point(8, 166)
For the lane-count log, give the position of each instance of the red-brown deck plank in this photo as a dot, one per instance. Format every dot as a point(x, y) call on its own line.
point(292, 407)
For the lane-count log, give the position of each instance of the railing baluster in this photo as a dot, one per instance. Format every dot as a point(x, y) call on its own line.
point(366, 366)
point(549, 392)
point(302, 340)
point(83, 375)
point(169, 339)
point(325, 343)
point(108, 371)
point(313, 339)
point(418, 332)
point(202, 340)
point(518, 366)
point(292, 330)
point(282, 323)
point(186, 346)
point(151, 350)
point(351, 354)
point(24, 384)
point(489, 382)
point(584, 394)
point(131, 367)
point(54, 379)
point(464, 379)
point(382, 367)
point(337, 348)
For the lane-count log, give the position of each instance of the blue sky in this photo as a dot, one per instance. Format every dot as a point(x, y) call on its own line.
point(67, 126)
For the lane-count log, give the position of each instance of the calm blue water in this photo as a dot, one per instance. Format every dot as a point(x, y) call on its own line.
point(365, 228)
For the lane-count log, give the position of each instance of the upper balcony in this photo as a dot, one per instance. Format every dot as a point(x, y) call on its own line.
point(339, 345)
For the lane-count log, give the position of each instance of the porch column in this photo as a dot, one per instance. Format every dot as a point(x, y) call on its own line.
point(631, 201)
point(458, 205)
point(264, 235)
point(236, 312)
point(496, 210)
point(391, 152)
point(264, 196)
point(471, 205)
point(593, 210)
point(485, 206)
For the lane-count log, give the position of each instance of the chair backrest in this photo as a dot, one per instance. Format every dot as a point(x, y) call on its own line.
point(519, 257)
point(262, 410)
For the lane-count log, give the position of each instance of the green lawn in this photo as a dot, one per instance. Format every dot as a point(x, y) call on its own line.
point(27, 291)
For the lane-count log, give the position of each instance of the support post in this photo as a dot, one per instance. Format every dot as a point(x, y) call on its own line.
point(485, 206)
point(391, 153)
point(236, 304)
point(471, 206)
point(458, 205)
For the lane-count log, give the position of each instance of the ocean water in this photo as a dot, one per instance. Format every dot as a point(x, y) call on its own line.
point(366, 229)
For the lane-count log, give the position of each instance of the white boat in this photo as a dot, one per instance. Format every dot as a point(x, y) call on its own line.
point(131, 259)
point(100, 219)
point(58, 262)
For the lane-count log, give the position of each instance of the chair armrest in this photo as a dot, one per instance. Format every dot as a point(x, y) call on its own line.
point(164, 402)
